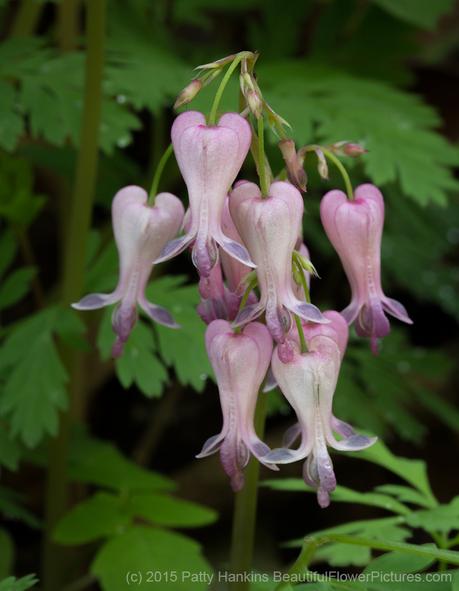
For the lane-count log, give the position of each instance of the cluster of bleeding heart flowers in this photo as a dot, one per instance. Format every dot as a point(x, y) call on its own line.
point(247, 246)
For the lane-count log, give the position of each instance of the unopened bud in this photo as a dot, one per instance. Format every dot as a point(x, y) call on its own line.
point(348, 149)
point(322, 166)
point(251, 93)
point(297, 275)
point(188, 93)
point(217, 63)
point(293, 164)
point(353, 150)
point(254, 103)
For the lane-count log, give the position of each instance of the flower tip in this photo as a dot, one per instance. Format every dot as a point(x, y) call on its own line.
point(117, 348)
point(323, 498)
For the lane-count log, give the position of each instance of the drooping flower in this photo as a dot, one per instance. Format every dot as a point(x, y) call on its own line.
point(209, 158)
point(140, 234)
point(308, 382)
point(270, 228)
point(217, 301)
point(354, 227)
point(240, 362)
point(235, 272)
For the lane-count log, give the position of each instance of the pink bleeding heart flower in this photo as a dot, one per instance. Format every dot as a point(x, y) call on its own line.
point(354, 227)
point(209, 158)
point(217, 301)
point(235, 272)
point(270, 227)
point(308, 382)
point(140, 234)
point(240, 362)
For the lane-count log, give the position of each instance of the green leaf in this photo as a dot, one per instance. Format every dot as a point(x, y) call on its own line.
point(11, 122)
point(34, 391)
point(7, 553)
point(100, 516)
point(8, 248)
point(49, 92)
point(146, 551)
point(413, 471)
point(18, 202)
point(11, 506)
point(386, 528)
point(422, 13)
point(10, 450)
point(438, 282)
point(168, 511)
point(401, 371)
point(184, 349)
point(138, 364)
point(106, 515)
point(13, 584)
point(404, 494)
point(439, 519)
point(99, 462)
point(426, 550)
point(327, 105)
point(343, 555)
point(398, 562)
point(342, 494)
point(15, 286)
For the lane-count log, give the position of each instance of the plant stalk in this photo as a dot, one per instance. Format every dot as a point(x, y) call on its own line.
point(27, 17)
point(245, 510)
point(158, 173)
point(54, 571)
point(221, 89)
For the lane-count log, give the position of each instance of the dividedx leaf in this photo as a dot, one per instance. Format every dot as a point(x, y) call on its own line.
point(326, 104)
point(165, 510)
point(139, 363)
point(172, 556)
point(99, 462)
point(99, 516)
point(22, 584)
point(183, 349)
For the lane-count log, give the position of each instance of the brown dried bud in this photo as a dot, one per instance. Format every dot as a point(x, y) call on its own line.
point(188, 93)
point(293, 164)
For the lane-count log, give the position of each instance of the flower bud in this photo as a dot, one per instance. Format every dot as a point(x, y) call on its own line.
point(188, 93)
point(294, 164)
point(322, 165)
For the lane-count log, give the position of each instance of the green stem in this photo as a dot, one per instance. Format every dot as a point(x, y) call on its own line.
point(340, 166)
point(251, 285)
point(301, 564)
point(26, 18)
point(304, 283)
point(264, 181)
point(54, 571)
point(221, 89)
point(67, 30)
point(245, 510)
point(303, 345)
point(159, 171)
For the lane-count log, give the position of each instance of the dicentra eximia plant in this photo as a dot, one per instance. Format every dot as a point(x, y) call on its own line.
point(247, 245)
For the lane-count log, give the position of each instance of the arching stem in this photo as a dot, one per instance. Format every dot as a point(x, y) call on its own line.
point(158, 173)
point(221, 89)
